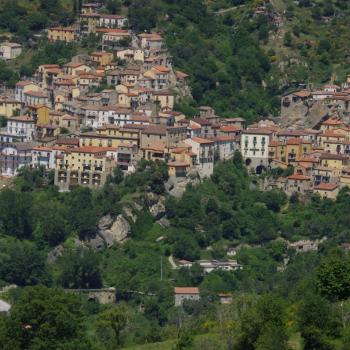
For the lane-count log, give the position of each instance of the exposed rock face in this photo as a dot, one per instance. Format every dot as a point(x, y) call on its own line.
point(158, 210)
point(128, 212)
point(176, 187)
point(55, 253)
point(114, 231)
point(164, 222)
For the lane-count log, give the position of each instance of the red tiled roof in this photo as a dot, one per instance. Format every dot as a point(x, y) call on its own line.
point(155, 129)
point(24, 83)
point(299, 177)
point(332, 121)
point(230, 128)
point(326, 187)
point(294, 141)
point(201, 140)
point(186, 290)
point(331, 156)
point(22, 118)
point(257, 131)
point(302, 93)
point(292, 133)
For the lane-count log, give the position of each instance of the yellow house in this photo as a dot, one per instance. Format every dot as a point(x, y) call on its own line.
point(67, 34)
point(330, 168)
point(277, 151)
point(8, 107)
point(73, 69)
point(89, 22)
point(47, 73)
point(332, 161)
point(41, 114)
point(165, 98)
point(101, 58)
point(296, 148)
point(23, 87)
point(111, 136)
point(290, 151)
point(182, 159)
point(81, 158)
point(94, 139)
point(331, 124)
point(86, 166)
point(327, 190)
point(345, 177)
point(330, 136)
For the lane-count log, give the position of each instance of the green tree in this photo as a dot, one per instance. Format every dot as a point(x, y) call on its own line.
point(114, 318)
point(44, 318)
point(263, 325)
point(184, 340)
point(317, 323)
point(21, 263)
point(79, 268)
point(333, 278)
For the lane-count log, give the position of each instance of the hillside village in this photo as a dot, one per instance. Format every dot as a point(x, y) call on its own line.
point(115, 107)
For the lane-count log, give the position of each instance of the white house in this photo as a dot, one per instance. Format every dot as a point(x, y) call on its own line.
point(255, 147)
point(46, 156)
point(225, 147)
point(33, 98)
point(24, 86)
point(204, 151)
point(97, 116)
point(9, 51)
point(112, 21)
point(22, 126)
point(14, 156)
point(215, 265)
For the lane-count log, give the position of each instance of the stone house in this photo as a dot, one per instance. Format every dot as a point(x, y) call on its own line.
point(182, 294)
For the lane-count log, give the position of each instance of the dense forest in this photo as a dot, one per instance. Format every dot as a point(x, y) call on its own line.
point(302, 304)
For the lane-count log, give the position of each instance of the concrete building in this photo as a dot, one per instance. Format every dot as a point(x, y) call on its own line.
point(9, 106)
point(10, 51)
point(204, 150)
point(85, 166)
point(255, 148)
point(22, 127)
point(4, 307)
point(14, 156)
point(67, 34)
point(182, 294)
point(215, 265)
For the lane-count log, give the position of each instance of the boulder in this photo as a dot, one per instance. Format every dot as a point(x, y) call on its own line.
point(105, 222)
point(158, 210)
point(117, 231)
point(128, 212)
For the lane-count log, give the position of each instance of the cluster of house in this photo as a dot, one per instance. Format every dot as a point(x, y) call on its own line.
point(330, 98)
point(110, 108)
point(319, 157)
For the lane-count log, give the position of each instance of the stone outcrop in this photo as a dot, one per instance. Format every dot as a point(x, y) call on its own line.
point(158, 210)
point(114, 230)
